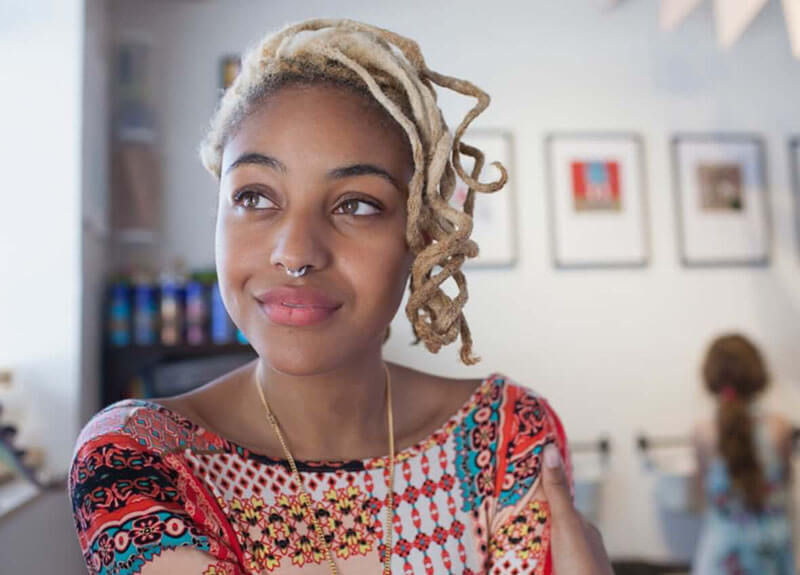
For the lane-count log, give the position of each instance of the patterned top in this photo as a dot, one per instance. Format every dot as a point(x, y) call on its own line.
point(147, 484)
point(736, 540)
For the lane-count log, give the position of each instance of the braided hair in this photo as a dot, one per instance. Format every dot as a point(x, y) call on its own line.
point(735, 373)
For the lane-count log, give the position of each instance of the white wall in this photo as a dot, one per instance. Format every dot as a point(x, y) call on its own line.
point(40, 226)
point(42, 56)
point(616, 352)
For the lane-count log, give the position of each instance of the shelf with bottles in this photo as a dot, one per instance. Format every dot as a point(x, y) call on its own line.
point(158, 320)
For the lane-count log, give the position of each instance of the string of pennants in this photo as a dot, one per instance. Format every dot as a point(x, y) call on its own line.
point(732, 17)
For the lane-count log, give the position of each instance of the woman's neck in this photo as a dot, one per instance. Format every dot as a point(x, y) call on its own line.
point(337, 415)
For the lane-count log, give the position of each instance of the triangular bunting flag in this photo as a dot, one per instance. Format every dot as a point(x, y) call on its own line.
point(733, 17)
point(673, 12)
point(791, 13)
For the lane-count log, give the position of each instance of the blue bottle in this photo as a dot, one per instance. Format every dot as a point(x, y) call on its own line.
point(119, 316)
point(221, 324)
point(145, 314)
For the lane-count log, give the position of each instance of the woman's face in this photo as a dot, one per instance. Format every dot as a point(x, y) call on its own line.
point(317, 177)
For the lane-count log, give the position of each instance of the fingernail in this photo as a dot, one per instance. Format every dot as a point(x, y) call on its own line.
point(552, 458)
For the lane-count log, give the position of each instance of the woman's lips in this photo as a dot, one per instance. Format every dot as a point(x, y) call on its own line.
point(297, 306)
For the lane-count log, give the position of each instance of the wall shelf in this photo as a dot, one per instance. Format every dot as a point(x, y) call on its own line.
point(122, 364)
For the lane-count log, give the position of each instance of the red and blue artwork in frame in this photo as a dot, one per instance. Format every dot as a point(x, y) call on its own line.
point(596, 185)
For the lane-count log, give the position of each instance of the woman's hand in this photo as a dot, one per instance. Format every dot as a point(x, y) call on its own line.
point(576, 544)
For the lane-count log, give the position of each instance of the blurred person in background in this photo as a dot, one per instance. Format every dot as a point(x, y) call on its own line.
point(743, 459)
point(335, 171)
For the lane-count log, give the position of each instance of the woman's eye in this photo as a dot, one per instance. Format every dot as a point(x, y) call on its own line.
point(253, 200)
point(356, 207)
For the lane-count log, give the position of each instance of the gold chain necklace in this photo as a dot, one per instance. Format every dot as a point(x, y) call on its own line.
point(306, 498)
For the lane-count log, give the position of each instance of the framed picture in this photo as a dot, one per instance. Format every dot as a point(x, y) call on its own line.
point(721, 200)
point(229, 68)
point(794, 155)
point(598, 212)
point(494, 228)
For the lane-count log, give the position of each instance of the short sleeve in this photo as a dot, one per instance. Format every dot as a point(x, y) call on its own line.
point(137, 511)
point(519, 531)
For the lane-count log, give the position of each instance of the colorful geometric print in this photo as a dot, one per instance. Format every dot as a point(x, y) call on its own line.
point(427, 529)
point(153, 480)
point(110, 478)
point(519, 421)
point(285, 531)
point(220, 569)
point(131, 504)
point(525, 433)
point(134, 472)
point(170, 433)
point(476, 447)
point(527, 534)
point(124, 549)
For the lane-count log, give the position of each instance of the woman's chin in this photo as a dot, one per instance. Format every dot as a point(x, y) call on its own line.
point(310, 353)
point(298, 356)
point(296, 361)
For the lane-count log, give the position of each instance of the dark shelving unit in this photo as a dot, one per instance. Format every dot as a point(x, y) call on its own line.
point(121, 365)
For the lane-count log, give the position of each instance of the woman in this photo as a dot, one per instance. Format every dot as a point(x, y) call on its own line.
point(743, 461)
point(335, 171)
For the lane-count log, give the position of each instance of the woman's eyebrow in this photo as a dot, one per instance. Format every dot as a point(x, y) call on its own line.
point(335, 174)
point(362, 170)
point(259, 159)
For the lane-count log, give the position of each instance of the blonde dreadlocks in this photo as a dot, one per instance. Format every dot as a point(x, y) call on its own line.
point(391, 69)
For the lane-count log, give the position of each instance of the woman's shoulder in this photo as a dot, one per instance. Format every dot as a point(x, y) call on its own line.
point(141, 425)
point(111, 421)
point(497, 388)
point(133, 497)
point(502, 437)
point(517, 409)
point(523, 411)
point(525, 416)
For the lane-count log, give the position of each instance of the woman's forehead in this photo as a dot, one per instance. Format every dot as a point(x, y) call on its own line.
point(319, 126)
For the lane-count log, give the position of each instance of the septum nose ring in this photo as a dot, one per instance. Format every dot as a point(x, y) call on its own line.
point(298, 272)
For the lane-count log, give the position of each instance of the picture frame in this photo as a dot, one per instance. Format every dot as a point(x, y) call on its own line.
point(794, 163)
point(598, 209)
point(721, 200)
point(494, 214)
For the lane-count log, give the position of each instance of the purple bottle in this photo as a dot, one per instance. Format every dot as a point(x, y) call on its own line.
point(196, 312)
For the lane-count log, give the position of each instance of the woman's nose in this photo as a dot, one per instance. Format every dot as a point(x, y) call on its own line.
point(299, 242)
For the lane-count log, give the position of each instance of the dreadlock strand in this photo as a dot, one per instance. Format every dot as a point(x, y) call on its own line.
point(478, 157)
point(469, 89)
point(413, 237)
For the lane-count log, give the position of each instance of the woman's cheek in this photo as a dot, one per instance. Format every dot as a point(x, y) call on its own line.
point(231, 263)
point(387, 275)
